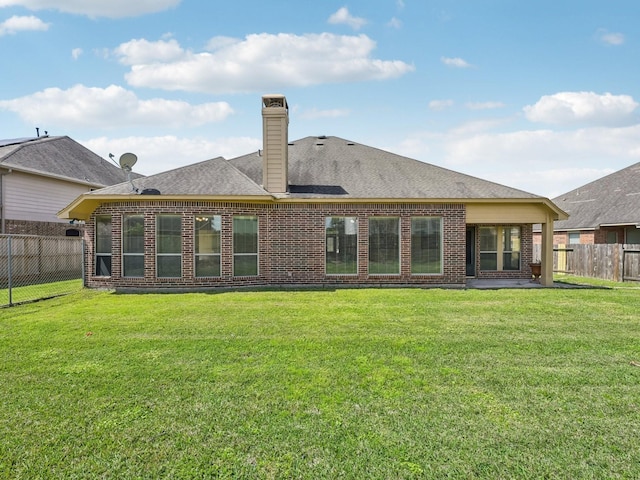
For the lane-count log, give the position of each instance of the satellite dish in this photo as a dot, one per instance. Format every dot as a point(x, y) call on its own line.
point(127, 161)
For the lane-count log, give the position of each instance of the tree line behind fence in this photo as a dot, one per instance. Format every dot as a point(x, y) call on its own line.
point(617, 262)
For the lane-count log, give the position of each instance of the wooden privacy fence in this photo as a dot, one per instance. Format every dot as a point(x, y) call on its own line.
point(617, 262)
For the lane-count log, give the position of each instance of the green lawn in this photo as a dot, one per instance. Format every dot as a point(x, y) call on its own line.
point(357, 384)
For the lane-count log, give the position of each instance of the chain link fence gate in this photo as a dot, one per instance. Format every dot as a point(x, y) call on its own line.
point(34, 267)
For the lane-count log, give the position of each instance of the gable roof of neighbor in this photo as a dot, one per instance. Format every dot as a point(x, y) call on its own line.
point(328, 167)
point(59, 157)
point(610, 200)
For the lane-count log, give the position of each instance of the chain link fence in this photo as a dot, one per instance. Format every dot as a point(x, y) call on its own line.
point(34, 267)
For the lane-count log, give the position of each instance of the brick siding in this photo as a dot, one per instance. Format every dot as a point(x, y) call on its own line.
point(291, 244)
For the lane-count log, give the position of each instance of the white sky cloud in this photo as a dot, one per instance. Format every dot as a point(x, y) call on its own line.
point(143, 51)
point(283, 60)
point(395, 23)
point(96, 8)
point(455, 62)
point(331, 113)
point(76, 52)
point(566, 108)
point(158, 154)
point(16, 24)
point(342, 16)
point(113, 106)
point(544, 162)
point(439, 105)
point(610, 38)
point(484, 105)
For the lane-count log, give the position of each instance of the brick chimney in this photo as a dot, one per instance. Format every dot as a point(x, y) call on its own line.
point(275, 140)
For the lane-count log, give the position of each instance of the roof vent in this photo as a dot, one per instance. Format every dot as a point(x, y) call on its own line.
point(322, 137)
point(150, 191)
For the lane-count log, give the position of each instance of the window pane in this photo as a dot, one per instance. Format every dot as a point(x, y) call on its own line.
point(426, 245)
point(133, 234)
point(103, 234)
point(244, 265)
point(384, 245)
point(169, 234)
point(245, 235)
point(511, 261)
point(208, 266)
point(511, 248)
point(633, 235)
point(169, 266)
point(133, 265)
point(511, 239)
point(488, 261)
point(488, 239)
point(574, 238)
point(341, 245)
point(207, 236)
point(103, 265)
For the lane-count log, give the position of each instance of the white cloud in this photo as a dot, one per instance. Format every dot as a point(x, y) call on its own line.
point(455, 62)
point(158, 154)
point(142, 51)
point(395, 23)
point(16, 24)
point(439, 105)
point(566, 108)
point(342, 16)
point(96, 8)
point(113, 106)
point(610, 38)
point(76, 52)
point(484, 105)
point(259, 63)
point(332, 113)
point(543, 162)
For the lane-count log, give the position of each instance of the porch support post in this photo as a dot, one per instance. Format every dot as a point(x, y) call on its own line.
point(546, 278)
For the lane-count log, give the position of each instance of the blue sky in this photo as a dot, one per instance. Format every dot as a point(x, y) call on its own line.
point(541, 96)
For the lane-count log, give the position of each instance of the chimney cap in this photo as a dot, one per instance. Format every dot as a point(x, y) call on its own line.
point(276, 100)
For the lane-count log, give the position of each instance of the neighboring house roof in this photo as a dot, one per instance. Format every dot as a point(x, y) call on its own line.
point(611, 200)
point(59, 157)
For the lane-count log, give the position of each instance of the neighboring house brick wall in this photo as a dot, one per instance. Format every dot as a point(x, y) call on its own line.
point(291, 243)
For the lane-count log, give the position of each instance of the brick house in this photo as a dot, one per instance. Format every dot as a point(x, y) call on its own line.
point(315, 211)
point(606, 210)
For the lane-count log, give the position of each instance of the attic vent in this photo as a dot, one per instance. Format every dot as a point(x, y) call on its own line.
point(322, 137)
point(150, 191)
point(350, 143)
point(319, 144)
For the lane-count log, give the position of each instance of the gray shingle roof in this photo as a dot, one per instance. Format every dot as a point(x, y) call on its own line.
point(321, 167)
point(211, 177)
point(59, 157)
point(611, 200)
point(325, 167)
